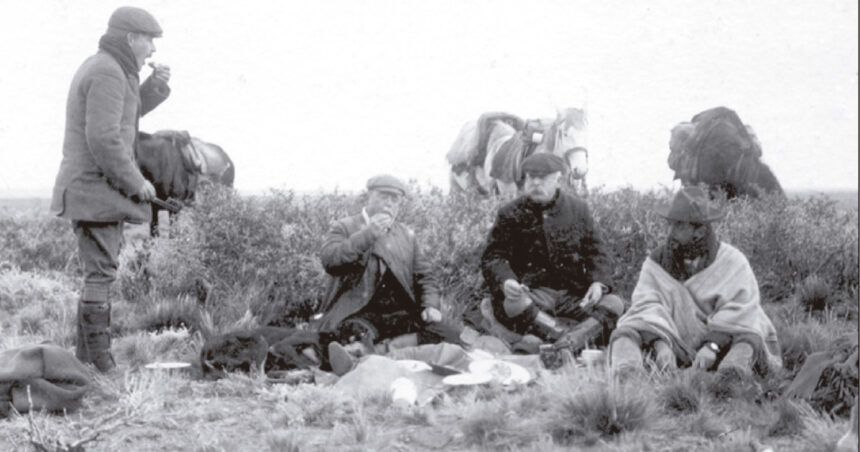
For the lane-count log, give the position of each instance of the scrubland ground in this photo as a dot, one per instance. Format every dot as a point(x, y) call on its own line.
point(236, 262)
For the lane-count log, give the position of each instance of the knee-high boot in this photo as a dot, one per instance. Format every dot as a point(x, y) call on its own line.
point(93, 344)
point(625, 355)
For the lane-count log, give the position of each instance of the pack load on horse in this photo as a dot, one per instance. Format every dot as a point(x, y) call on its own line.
point(717, 149)
point(487, 153)
point(177, 163)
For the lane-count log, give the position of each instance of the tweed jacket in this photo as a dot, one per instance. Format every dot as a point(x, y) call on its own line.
point(356, 262)
point(556, 245)
point(98, 174)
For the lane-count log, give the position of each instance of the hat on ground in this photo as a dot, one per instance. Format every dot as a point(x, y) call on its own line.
point(543, 163)
point(135, 20)
point(692, 205)
point(387, 183)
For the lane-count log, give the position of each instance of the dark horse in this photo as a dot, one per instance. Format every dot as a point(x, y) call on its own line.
point(177, 163)
point(715, 148)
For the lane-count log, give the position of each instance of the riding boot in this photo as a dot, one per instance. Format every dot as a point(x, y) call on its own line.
point(585, 332)
point(93, 344)
point(625, 357)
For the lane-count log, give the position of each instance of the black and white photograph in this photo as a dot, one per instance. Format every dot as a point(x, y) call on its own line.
point(474, 225)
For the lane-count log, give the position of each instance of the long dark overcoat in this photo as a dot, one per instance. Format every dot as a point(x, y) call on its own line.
point(98, 174)
point(556, 245)
point(354, 260)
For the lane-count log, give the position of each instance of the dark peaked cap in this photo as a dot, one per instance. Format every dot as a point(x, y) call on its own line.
point(135, 20)
point(386, 182)
point(542, 164)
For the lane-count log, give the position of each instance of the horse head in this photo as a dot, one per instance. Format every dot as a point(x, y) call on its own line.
point(567, 137)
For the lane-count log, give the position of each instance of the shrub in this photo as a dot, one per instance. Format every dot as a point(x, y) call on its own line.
point(38, 242)
point(235, 253)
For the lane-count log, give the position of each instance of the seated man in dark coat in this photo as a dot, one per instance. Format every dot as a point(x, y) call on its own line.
point(545, 266)
point(382, 287)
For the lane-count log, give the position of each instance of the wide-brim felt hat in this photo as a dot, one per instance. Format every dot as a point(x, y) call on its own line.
point(692, 205)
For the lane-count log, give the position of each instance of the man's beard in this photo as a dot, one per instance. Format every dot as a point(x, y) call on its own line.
point(697, 246)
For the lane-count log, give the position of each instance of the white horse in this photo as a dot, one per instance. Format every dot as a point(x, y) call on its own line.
point(496, 168)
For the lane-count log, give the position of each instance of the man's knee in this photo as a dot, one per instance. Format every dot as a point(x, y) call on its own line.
point(612, 304)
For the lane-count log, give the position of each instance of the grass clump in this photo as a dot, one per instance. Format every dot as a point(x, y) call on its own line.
point(600, 411)
point(814, 294)
point(680, 396)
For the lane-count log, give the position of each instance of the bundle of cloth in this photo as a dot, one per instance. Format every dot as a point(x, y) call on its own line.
point(41, 377)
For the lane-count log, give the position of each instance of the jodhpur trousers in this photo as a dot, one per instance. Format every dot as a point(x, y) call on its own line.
point(98, 244)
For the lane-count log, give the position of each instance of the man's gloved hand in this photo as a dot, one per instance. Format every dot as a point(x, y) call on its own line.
point(146, 193)
point(705, 358)
point(431, 315)
point(380, 224)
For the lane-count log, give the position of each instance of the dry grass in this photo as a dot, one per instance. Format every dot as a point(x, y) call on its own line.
point(215, 275)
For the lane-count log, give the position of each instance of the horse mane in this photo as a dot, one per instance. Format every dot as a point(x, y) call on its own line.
point(574, 117)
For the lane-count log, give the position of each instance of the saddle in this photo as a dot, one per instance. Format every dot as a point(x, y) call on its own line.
point(485, 125)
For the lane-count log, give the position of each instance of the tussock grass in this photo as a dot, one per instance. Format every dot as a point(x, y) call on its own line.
point(790, 418)
point(814, 293)
point(680, 394)
point(143, 348)
point(600, 410)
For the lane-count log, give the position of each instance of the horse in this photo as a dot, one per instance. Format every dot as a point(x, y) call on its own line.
point(177, 163)
point(487, 154)
point(716, 149)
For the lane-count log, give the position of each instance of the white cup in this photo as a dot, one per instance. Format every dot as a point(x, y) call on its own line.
point(592, 357)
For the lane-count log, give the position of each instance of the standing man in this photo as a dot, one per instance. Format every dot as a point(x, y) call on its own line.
point(545, 265)
point(99, 185)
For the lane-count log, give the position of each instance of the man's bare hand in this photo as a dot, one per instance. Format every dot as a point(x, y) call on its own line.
point(705, 358)
point(380, 224)
point(160, 72)
point(146, 192)
point(594, 294)
point(513, 290)
point(431, 315)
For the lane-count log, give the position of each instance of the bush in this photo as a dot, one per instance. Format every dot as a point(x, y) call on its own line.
point(234, 253)
point(36, 242)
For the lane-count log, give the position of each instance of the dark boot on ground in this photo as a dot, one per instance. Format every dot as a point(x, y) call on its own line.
point(93, 344)
point(585, 332)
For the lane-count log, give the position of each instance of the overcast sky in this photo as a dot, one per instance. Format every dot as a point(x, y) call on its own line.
point(323, 94)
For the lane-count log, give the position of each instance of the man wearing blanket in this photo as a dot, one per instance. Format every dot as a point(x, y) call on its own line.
point(696, 301)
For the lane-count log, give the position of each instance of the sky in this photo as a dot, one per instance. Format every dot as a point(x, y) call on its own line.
point(322, 95)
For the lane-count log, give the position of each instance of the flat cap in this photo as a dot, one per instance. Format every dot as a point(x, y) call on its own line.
point(542, 164)
point(136, 20)
point(386, 182)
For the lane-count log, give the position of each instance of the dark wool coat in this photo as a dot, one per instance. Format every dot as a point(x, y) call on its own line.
point(98, 174)
point(352, 257)
point(556, 246)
